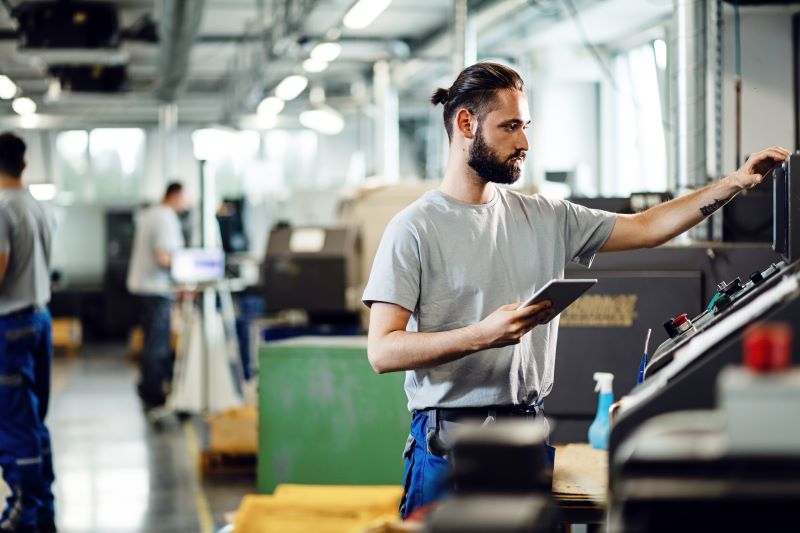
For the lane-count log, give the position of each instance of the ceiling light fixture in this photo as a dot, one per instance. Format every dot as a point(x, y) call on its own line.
point(8, 89)
point(291, 87)
point(23, 106)
point(323, 120)
point(326, 52)
point(364, 13)
point(314, 65)
point(270, 106)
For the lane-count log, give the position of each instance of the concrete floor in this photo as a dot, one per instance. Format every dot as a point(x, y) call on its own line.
point(116, 473)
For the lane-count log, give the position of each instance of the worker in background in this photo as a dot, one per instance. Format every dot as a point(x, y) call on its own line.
point(452, 269)
point(26, 229)
point(158, 235)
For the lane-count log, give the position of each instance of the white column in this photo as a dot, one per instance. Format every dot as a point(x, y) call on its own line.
point(387, 130)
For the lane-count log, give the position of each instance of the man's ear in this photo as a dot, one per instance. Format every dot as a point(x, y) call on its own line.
point(466, 123)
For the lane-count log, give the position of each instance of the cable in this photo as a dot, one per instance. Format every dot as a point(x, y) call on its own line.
point(592, 48)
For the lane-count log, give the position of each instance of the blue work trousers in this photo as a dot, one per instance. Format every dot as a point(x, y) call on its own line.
point(155, 364)
point(426, 469)
point(25, 452)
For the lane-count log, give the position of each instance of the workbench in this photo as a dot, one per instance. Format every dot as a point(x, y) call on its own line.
point(580, 484)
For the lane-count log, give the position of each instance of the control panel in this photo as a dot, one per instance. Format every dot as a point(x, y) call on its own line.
point(729, 297)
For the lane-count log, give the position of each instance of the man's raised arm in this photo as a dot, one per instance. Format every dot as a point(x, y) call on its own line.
point(668, 220)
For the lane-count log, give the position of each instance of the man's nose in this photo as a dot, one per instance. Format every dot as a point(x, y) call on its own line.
point(522, 142)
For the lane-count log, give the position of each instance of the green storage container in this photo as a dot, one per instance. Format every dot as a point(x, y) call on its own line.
point(325, 417)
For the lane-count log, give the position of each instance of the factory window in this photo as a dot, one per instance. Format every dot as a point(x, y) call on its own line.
point(228, 155)
point(117, 161)
point(638, 151)
point(103, 166)
point(72, 161)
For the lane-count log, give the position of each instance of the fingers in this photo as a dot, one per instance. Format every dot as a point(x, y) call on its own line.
point(775, 153)
point(533, 308)
point(542, 317)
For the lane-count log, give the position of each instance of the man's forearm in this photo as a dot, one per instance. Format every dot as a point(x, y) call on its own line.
point(408, 350)
point(666, 221)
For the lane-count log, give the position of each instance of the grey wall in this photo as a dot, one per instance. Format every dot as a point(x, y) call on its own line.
point(767, 86)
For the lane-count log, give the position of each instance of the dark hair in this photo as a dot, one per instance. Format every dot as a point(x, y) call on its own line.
point(173, 188)
point(475, 89)
point(12, 154)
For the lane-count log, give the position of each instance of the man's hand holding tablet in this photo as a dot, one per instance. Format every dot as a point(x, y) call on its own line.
point(560, 292)
point(508, 324)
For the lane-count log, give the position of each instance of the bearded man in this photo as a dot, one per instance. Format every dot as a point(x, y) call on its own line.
point(452, 269)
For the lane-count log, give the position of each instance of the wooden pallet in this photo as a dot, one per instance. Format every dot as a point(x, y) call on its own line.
point(227, 463)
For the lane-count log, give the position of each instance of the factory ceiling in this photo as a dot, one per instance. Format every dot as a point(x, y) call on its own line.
point(119, 61)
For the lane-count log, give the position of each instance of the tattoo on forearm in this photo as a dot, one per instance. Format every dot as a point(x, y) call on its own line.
point(711, 208)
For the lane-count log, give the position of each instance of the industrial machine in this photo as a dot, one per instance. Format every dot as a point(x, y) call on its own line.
point(734, 468)
point(315, 270)
point(501, 481)
point(682, 370)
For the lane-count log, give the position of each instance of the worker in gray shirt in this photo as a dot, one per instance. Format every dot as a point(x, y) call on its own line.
point(453, 268)
point(158, 236)
point(26, 229)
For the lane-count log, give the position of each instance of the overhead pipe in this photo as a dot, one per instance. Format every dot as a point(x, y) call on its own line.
point(690, 19)
point(180, 21)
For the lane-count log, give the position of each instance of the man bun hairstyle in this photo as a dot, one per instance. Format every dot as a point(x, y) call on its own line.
point(440, 96)
point(475, 89)
point(12, 154)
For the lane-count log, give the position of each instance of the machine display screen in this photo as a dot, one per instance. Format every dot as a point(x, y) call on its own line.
point(786, 220)
point(198, 265)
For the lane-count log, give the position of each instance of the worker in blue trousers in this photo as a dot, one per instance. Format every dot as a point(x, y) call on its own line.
point(453, 268)
point(26, 229)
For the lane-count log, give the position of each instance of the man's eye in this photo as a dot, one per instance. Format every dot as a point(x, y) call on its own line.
point(511, 127)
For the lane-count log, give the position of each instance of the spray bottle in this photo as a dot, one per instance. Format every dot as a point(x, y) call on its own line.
point(599, 430)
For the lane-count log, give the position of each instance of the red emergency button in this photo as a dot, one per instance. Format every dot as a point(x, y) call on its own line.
point(682, 319)
point(768, 347)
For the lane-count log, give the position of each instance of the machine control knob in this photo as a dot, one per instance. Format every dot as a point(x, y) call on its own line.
point(756, 277)
point(681, 323)
point(682, 319)
point(730, 288)
point(671, 330)
point(723, 302)
point(676, 326)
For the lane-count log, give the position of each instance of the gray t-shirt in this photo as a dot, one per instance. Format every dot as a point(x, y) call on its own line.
point(26, 233)
point(157, 228)
point(452, 264)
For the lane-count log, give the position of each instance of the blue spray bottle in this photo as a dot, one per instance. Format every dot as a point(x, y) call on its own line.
point(599, 430)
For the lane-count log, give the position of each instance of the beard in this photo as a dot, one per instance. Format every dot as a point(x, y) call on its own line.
point(490, 166)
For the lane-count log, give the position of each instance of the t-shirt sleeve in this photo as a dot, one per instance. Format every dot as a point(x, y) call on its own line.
point(5, 232)
point(395, 276)
point(586, 231)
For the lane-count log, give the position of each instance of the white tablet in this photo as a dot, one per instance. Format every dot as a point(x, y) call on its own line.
point(560, 292)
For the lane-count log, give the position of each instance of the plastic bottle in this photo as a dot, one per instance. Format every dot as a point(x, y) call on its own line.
point(599, 430)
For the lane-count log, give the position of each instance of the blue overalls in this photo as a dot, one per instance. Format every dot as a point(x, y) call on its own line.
point(25, 454)
point(425, 479)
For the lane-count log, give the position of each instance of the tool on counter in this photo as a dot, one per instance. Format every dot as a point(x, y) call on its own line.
point(643, 363)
